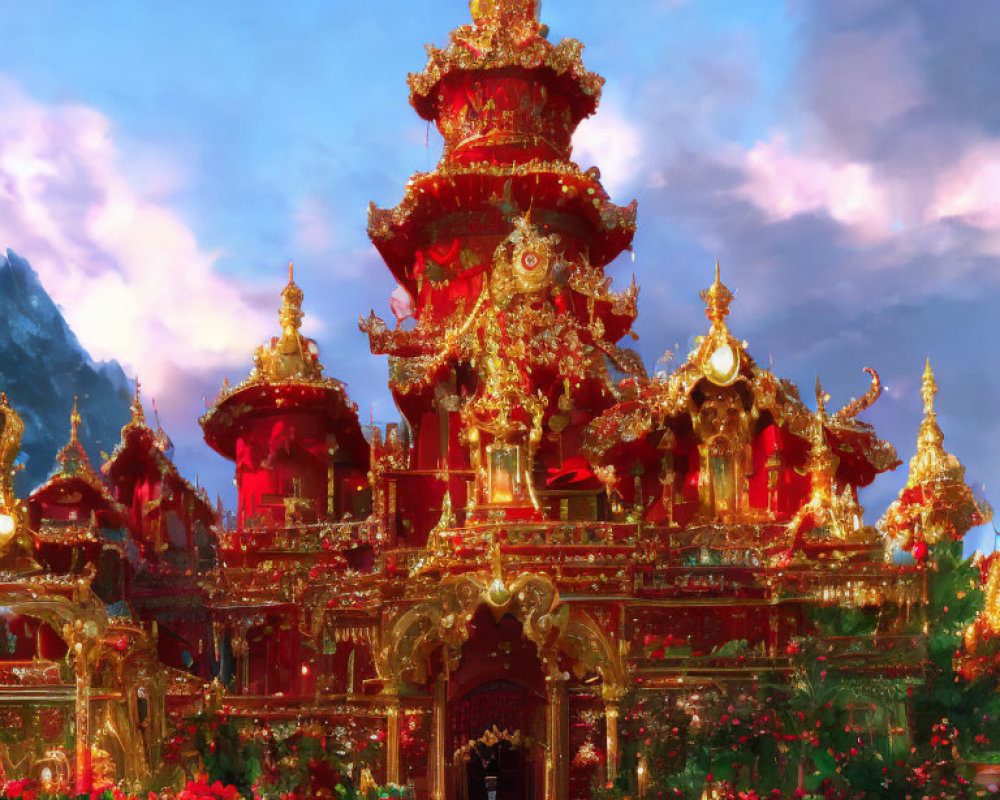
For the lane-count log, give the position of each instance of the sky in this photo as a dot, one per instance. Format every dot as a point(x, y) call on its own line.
point(160, 163)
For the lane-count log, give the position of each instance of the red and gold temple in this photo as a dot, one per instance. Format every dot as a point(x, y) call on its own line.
point(547, 536)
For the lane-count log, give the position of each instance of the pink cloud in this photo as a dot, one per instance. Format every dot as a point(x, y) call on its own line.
point(970, 189)
point(131, 277)
point(784, 184)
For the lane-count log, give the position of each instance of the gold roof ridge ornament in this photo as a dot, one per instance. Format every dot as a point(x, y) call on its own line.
point(932, 462)
point(839, 512)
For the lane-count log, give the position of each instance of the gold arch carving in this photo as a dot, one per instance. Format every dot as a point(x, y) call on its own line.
point(553, 626)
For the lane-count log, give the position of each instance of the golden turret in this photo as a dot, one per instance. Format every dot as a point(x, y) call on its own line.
point(290, 356)
point(932, 462)
point(936, 504)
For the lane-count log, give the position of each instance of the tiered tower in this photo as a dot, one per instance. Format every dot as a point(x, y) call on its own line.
point(302, 466)
point(501, 251)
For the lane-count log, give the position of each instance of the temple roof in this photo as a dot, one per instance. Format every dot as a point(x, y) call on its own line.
point(140, 443)
point(558, 191)
point(505, 34)
point(74, 474)
point(723, 360)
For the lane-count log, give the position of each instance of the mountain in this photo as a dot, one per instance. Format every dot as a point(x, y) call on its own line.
point(42, 367)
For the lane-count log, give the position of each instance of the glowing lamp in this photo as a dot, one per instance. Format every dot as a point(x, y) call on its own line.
point(505, 473)
point(6, 525)
point(723, 365)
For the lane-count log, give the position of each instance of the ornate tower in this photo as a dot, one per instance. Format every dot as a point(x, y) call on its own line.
point(501, 252)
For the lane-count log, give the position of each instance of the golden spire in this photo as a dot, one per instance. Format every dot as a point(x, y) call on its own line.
point(928, 389)
point(73, 459)
point(717, 299)
point(74, 423)
point(138, 415)
point(931, 461)
point(291, 306)
point(822, 463)
point(291, 356)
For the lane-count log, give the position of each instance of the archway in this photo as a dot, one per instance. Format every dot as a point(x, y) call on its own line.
point(495, 714)
point(426, 642)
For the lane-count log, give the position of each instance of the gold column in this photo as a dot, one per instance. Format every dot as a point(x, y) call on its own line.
point(642, 776)
point(241, 653)
point(392, 739)
point(611, 710)
point(557, 762)
point(84, 776)
point(438, 775)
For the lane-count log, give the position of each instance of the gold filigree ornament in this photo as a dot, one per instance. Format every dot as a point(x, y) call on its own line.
point(719, 356)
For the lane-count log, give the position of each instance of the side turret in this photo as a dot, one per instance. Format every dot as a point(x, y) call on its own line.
point(299, 450)
point(76, 523)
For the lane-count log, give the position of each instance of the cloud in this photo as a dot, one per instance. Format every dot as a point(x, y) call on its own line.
point(313, 231)
point(969, 190)
point(613, 142)
point(132, 279)
point(784, 184)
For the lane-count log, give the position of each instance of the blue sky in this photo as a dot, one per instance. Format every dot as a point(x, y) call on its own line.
point(161, 162)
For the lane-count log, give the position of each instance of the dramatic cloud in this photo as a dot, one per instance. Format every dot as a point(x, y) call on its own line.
point(130, 275)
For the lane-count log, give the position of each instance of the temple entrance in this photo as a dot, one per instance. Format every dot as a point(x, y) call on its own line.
point(496, 715)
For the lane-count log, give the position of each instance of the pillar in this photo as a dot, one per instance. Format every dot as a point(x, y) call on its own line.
point(557, 762)
point(84, 771)
point(392, 739)
point(611, 710)
point(241, 653)
point(437, 769)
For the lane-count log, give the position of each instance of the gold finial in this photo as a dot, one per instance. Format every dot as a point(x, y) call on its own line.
point(717, 298)
point(928, 388)
point(290, 315)
point(74, 423)
point(138, 415)
point(72, 459)
point(821, 398)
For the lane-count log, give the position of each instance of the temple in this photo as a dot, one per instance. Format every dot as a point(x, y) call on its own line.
point(491, 594)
